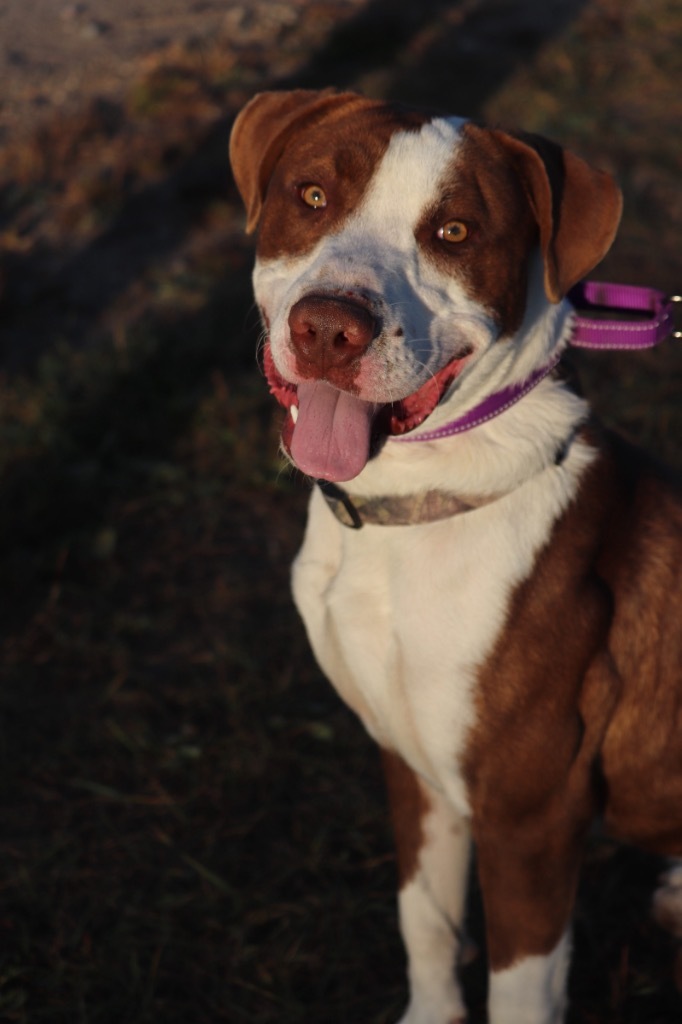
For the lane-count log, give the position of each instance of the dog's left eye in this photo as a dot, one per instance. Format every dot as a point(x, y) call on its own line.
point(314, 196)
point(453, 231)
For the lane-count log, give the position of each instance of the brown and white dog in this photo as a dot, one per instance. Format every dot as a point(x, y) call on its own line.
point(506, 623)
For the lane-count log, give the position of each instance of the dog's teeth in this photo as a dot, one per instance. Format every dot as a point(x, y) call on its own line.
point(293, 409)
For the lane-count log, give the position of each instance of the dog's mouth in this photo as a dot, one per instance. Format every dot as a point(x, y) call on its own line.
point(332, 434)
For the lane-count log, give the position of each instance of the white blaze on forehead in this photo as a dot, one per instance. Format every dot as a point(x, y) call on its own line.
point(374, 247)
point(410, 177)
point(427, 314)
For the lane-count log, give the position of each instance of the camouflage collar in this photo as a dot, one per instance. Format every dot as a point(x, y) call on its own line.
point(355, 511)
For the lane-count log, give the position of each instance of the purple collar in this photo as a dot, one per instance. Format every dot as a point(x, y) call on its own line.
point(645, 332)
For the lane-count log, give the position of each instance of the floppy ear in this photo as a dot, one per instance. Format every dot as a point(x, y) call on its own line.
point(261, 131)
point(577, 208)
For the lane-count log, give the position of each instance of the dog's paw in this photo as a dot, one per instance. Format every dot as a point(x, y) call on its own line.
point(667, 901)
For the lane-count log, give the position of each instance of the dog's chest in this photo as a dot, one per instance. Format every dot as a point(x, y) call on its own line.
point(401, 619)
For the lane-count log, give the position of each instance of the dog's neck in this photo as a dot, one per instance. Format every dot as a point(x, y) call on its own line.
point(508, 361)
point(499, 455)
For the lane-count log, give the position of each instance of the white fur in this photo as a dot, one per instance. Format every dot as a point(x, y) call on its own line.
point(431, 913)
point(375, 253)
point(667, 902)
point(492, 459)
point(532, 991)
point(402, 618)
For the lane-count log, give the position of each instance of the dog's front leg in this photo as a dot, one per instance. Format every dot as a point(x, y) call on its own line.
point(528, 892)
point(433, 845)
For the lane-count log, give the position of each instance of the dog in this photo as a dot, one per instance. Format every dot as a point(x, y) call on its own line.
point(489, 579)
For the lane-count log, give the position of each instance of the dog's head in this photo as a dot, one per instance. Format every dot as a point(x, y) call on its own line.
point(395, 249)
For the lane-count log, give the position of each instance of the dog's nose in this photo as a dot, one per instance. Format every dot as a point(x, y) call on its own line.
point(330, 332)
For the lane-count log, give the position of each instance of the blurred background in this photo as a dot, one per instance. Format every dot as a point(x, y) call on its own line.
point(193, 827)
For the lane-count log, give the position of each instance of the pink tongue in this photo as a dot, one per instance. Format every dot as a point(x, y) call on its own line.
point(332, 433)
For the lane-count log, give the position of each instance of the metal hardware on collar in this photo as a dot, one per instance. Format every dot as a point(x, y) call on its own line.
point(355, 511)
point(676, 303)
point(587, 333)
point(340, 503)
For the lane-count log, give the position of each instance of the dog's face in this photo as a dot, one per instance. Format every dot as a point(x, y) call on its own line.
point(394, 251)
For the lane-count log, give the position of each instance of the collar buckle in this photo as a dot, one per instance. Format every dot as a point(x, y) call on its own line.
point(340, 504)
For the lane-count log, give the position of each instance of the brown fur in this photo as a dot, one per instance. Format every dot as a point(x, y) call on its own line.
point(483, 190)
point(579, 706)
point(577, 208)
point(409, 805)
point(351, 135)
point(541, 194)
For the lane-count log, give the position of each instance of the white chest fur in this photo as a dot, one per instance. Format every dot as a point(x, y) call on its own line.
point(400, 618)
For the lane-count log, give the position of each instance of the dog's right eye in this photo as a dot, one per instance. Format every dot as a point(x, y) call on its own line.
point(313, 196)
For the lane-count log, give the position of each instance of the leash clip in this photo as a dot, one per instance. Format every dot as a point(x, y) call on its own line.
point(676, 315)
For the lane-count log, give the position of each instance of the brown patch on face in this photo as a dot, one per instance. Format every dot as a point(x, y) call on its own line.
point(578, 708)
point(262, 129)
point(513, 194)
point(409, 805)
point(485, 192)
point(340, 154)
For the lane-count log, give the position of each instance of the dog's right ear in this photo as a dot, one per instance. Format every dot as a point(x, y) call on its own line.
point(261, 131)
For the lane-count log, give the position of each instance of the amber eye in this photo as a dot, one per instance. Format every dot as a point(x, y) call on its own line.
point(453, 231)
point(313, 196)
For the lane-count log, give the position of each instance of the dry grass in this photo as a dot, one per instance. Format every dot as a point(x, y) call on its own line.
point(193, 826)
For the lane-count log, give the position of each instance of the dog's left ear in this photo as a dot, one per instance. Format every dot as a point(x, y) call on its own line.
point(577, 208)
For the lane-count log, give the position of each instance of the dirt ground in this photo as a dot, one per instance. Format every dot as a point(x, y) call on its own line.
point(56, 55)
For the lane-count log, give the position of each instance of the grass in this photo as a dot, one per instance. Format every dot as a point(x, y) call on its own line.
point(193, 826)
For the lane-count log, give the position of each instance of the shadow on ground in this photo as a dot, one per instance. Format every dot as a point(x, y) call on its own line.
point(193, 825)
